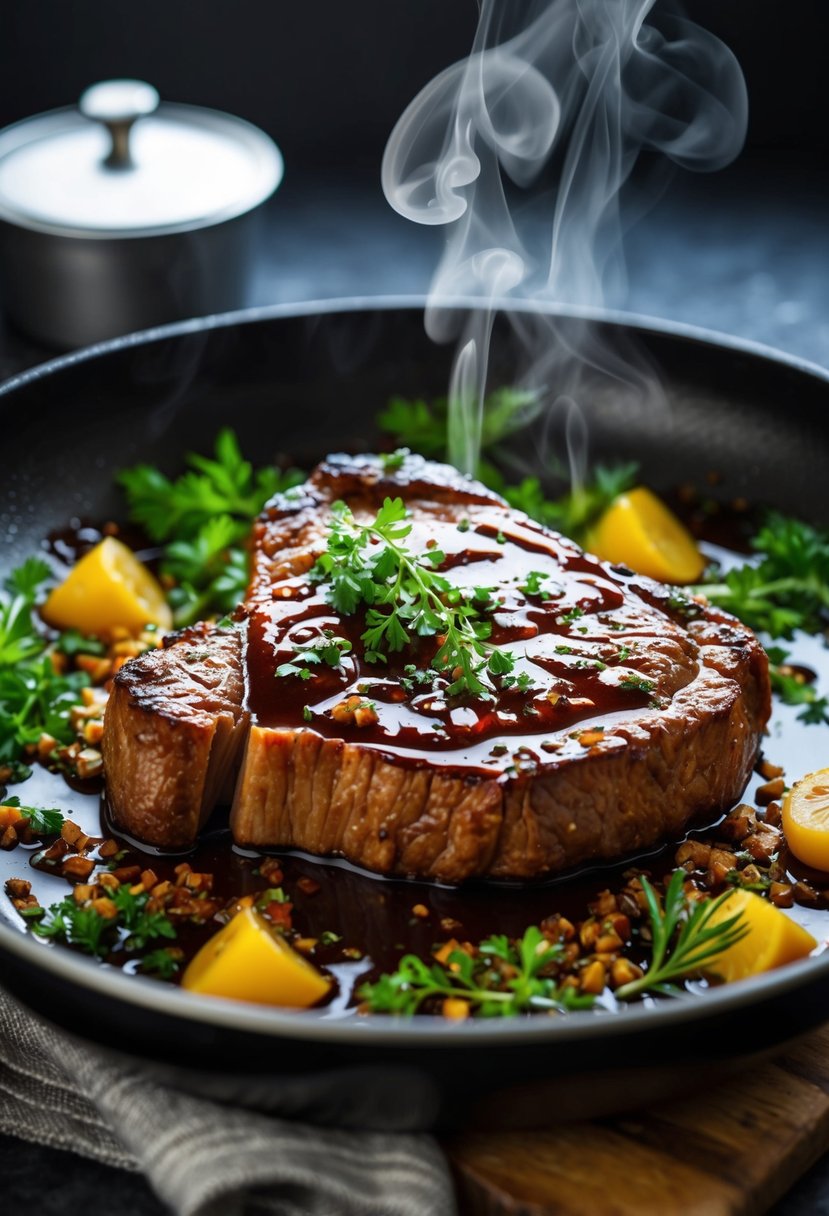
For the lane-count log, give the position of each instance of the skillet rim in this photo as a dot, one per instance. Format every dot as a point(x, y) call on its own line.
point(315, 1027)
point(345, 304)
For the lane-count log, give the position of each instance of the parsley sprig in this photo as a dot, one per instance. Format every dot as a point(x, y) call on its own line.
point(685, 942)
point(503, 978)
point(326, 649)
point(34, 697)
point(203, 518)
point(406, 597)
point(82, 925)
point(44, 821)
point(423, 425)
point(787, 588)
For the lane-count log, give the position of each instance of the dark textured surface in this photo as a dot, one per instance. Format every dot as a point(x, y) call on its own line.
point(746, 253)
point(54, 1183)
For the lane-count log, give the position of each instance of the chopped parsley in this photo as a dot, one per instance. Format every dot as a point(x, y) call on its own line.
point(406, 597)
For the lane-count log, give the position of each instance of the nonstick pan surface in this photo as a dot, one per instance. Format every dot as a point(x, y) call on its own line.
point(306, 382)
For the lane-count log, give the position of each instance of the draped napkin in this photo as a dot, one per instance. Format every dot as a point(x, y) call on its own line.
point(203, 1157)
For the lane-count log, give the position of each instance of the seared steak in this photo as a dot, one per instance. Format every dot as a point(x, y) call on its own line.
point(630, 710)
point(174, 730)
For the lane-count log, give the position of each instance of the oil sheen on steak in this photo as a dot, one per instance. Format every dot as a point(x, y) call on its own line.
point(642, 711)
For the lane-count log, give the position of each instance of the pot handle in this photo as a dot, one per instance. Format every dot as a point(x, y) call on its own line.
point(118, 104)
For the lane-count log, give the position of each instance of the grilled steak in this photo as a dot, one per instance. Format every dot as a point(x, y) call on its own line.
point(630, 710)
point(173, 737)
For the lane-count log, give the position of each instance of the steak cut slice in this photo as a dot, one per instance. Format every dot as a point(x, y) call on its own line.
point(630, 710)
point(174, 728)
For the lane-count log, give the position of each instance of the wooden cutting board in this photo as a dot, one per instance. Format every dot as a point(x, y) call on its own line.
point(731, 1151)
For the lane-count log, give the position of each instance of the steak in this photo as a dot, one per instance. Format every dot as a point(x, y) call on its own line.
point(630, 711)
point(174, 730)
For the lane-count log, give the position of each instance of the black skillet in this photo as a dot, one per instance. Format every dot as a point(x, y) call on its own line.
point(307, 381)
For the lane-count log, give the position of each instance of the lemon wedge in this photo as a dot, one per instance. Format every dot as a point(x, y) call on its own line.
point(248, 961)
point(638, 530)
point(107, 588)
point(772, 940)
point(806, 819)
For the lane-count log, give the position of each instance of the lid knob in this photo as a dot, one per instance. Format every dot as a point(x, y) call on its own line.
point(118, 104)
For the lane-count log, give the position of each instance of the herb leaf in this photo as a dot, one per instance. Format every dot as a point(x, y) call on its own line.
point(406, 597)
point(204, 516)
point(42, 820)
point(502, 979)
point(787, 588)
point(82, 925)
point(684, 941)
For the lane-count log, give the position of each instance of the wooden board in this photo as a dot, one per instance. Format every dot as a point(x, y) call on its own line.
point(731, 1151)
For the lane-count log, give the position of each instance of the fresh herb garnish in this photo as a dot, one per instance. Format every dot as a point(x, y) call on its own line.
point(787, 589)
point(392, 461)
point(204, 516)
point(532, 584)
point(684, 940)
point(502, 979)
point(327, 648)
point(34, 698)
point(635, 683)
point(84, 925)
point(72, 642)
point(423, 425)
point(164, 963)
point(406, 597)
point(794, 689)
point(44, 821)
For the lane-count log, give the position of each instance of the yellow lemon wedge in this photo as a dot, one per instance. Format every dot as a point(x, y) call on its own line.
point(806, 819)
point(638, 530)
point(248, 961)
point(772, 940)
point(108, 587)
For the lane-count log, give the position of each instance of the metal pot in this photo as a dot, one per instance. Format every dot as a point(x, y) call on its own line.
point(121, 214)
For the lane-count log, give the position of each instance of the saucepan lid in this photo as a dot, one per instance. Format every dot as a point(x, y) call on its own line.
point(121, 164)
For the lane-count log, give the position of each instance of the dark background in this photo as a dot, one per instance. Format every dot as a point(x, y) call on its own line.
point(328, 78)
point(744, 251)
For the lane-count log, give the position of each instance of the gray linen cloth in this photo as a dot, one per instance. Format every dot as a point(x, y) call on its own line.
point(204, 1158)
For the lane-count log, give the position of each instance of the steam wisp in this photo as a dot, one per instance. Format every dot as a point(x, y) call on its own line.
point(567, 90)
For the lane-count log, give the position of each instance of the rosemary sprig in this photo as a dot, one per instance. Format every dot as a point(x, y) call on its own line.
point(502, 979)
point(406, 597)
point(684, 941)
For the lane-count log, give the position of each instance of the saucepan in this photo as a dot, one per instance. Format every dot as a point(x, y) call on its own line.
point(304, 381)
point(121, 213)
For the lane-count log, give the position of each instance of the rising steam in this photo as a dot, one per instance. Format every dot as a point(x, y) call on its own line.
point(557, 98)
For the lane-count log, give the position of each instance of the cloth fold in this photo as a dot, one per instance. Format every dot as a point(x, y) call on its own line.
point(204, 1158)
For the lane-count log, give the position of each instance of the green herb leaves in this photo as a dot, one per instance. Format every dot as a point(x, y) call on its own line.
point(34, 698)
point(685, 940)
point(205, 517)
point(575, 512)
point(43, 821)
point(19, 638)
point(788, 588)
point(132, 926)
point(406, 597)
point(327, 649)
point(501, 979)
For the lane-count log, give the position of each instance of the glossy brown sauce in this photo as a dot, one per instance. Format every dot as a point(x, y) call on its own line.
point(574, 643)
